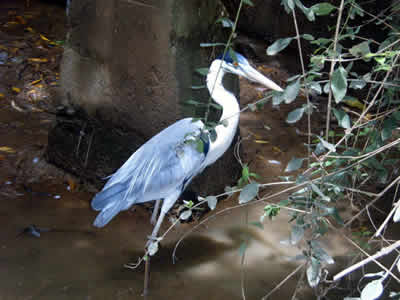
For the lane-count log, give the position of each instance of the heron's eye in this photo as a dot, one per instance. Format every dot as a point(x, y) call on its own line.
point(235, 64)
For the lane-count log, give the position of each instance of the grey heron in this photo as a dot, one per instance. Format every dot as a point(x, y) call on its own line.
point(165, 165)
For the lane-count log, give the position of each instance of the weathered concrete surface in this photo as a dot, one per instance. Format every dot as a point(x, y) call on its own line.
point(127, 69)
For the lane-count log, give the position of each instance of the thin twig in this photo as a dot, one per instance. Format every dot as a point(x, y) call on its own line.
point(283, 281)
point(335, 42)
point(380, 253)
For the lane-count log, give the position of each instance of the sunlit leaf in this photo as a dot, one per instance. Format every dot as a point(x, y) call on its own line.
point(278, 46)
point(7, 149)
point(38, 60)
point(294, 164)
point(342, 117)
point(339, 84)
point(313, 272)
point(354, 102)
point(295, 115)
point(248, 193)
point(186, 214)
point(323, 8)
point(372, 290)
point(225, 22)
point(211, 202)
point(291, 91)
point(327, 145)
point(44, 38)
point(261, 142)
point(320, 253)
point(2, 95)
point(15, 89)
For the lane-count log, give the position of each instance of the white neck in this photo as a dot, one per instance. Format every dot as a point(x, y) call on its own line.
point(230, 113)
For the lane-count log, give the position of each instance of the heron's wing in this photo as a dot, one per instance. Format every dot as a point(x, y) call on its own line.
point(163, 164)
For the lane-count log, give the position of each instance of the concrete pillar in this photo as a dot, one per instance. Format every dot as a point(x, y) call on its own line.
point(127, 69)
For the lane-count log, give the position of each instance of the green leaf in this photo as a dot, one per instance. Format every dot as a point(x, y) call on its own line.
point(295, 115)
point(197, 87)
point(226, 22)
point(308, 37)
point(185, 215)
point(204, 45)
point(291, 91)
point(248, 193)
point(339, 84)
point(245, 173)
point(322, 9)
point(277, 98)
point(360, 50)
point(212, 202)
point(327, 145)
point(308, 12)
point(319, 192)
point(294, 164)
point(388, 126)
point(202, 71)
point(296, 234)
point(248, 2)
point(288, 5)
point(320, 253)
point(278, 46)
point(313, 272)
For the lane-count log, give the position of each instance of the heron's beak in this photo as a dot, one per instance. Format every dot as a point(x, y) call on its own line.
point(253, 75)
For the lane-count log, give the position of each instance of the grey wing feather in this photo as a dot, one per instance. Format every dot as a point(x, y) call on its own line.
point(160, 166)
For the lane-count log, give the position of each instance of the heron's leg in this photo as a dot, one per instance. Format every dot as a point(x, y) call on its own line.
point(168, 202)
point(155, 212)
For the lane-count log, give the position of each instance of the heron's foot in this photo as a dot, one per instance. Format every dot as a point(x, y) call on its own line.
point(152, 245)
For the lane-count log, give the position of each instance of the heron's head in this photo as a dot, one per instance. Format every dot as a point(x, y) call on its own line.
point(240, 66)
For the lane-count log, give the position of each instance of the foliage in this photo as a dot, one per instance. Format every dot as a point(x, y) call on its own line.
point(360, 154)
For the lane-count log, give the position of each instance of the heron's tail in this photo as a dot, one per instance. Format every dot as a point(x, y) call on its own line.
point(110, 201)
point(107, 213)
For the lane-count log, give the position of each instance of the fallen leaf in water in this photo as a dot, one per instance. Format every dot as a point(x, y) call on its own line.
point(38, 60)
point(11, 23)
point(260, 142)
point(15, 89)
point(276, 149)
point(7, 149)
point(30, 29)
point(44, 38)
point(2, 95)
point(36, 81)
point(20, 20)
point(3, 47)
